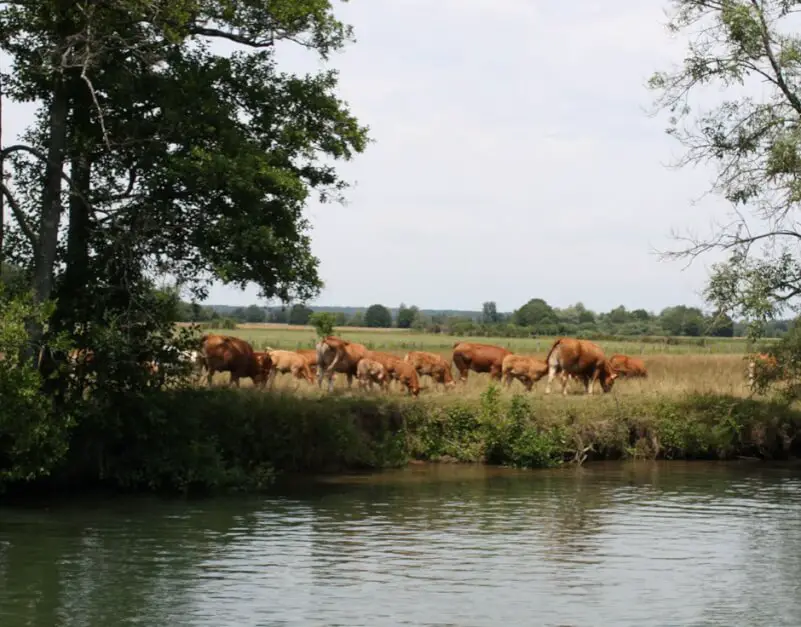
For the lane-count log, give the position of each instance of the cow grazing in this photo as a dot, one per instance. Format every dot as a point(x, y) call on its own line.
point(581, 358)
point(479, 358)
point(225, 353)
point(398, 370)
point(763, 364)
point(432, 365)
point(337, 355)
point(370, 371)
point(629, 367)
point(527, 370)
point(289, 362)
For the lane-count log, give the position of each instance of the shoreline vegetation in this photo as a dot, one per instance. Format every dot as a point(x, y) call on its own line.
point(693, 406)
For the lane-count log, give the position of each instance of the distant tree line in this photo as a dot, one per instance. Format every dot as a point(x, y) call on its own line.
point(536, 317)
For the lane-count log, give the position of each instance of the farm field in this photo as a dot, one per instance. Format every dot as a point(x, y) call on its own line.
point(717, 367)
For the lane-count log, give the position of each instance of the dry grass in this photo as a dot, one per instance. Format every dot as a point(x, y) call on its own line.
point(668, 374)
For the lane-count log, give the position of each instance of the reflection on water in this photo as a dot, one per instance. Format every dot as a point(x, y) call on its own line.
point(608, 544)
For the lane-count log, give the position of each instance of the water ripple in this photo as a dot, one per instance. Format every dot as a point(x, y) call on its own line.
point(704, 545)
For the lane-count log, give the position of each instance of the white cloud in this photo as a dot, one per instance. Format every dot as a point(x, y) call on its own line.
point(513, 158)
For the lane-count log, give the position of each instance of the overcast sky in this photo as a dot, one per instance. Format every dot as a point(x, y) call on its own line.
point(513, 159)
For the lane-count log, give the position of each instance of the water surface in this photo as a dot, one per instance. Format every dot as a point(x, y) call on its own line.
point(610, 544)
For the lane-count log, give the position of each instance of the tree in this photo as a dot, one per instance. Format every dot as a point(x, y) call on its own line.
point(323, 322)
point(489, 313)
point(753, 139)
point(255, 314)
point(299, 314)
point(535, 313)
point(378, 316)
point(164, 157)
point(407, 316)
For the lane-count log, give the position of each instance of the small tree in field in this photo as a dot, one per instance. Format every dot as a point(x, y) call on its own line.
point(323, 323)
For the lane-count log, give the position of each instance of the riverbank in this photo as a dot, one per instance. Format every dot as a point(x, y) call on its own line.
point(238, 440)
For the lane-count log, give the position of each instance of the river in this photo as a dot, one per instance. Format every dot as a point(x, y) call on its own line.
point(623, 544)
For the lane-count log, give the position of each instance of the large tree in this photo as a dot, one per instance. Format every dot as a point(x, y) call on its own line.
point(168, 141)
point(752, 136)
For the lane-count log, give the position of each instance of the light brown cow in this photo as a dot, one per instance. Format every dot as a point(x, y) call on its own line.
point(370, 371)
point(289, 362)
point(629, 367)
point(337, 355)
point(225, 353)
point(479, 358)
point(310, 355)
point(527, 370)
point(398, 370)
point(581, 358)
point(432, 365)
point(767, 365)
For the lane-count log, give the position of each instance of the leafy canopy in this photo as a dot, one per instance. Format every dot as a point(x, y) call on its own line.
point(751, 51)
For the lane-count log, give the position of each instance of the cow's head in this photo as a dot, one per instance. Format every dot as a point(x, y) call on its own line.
point(608, 376)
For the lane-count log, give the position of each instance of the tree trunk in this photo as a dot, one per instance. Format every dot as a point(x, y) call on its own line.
point(72, 290)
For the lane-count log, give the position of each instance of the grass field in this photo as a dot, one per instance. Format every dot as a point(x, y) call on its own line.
point(717, 367)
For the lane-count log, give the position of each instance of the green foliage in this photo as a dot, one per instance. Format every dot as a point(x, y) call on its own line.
point(377, 316)
point(33, 433)
point(752, 138)
point(407, 316)
point(299, 314)
point(323, 323)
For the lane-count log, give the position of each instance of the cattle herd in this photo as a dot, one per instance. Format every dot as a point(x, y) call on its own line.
point(568, 358)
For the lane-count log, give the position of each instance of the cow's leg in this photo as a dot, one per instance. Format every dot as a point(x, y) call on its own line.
point(528, 382)
point(552, 371)
point(589, 382)
point(462, 366)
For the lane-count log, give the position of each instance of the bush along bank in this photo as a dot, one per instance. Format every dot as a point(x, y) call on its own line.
point(220, 439)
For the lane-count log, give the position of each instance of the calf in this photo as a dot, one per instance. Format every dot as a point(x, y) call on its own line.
point(369, 372)
point(289, 362)
point(399, 370)
point(630, 367)
point(432, 365)
point(527, 370)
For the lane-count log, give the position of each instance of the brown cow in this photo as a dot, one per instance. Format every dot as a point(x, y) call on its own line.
point(370, 371)
point(432, 365)
point(581, 358)
point(289, 362)
point(337, 355)
point(527, 370)
point(478, 357)
point(310, 355)
point(232, 354)
point(398, 370)
point(630, 367)
point(766, 364)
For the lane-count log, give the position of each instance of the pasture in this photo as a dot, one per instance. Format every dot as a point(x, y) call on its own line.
point(717, 367)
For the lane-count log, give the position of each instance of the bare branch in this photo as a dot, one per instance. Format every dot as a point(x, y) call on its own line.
point(19, 214)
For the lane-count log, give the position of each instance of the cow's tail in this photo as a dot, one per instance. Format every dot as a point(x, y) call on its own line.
point(553, 348)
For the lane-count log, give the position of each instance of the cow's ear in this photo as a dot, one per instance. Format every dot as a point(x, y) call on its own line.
point(613, 376)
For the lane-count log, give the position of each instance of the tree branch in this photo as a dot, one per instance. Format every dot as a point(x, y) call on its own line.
point(19, 214)
point(765, 33)
point(238, 39)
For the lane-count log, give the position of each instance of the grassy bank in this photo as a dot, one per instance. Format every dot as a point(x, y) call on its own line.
point(218, 439)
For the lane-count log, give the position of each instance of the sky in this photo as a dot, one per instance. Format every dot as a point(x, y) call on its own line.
point(514, 158)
